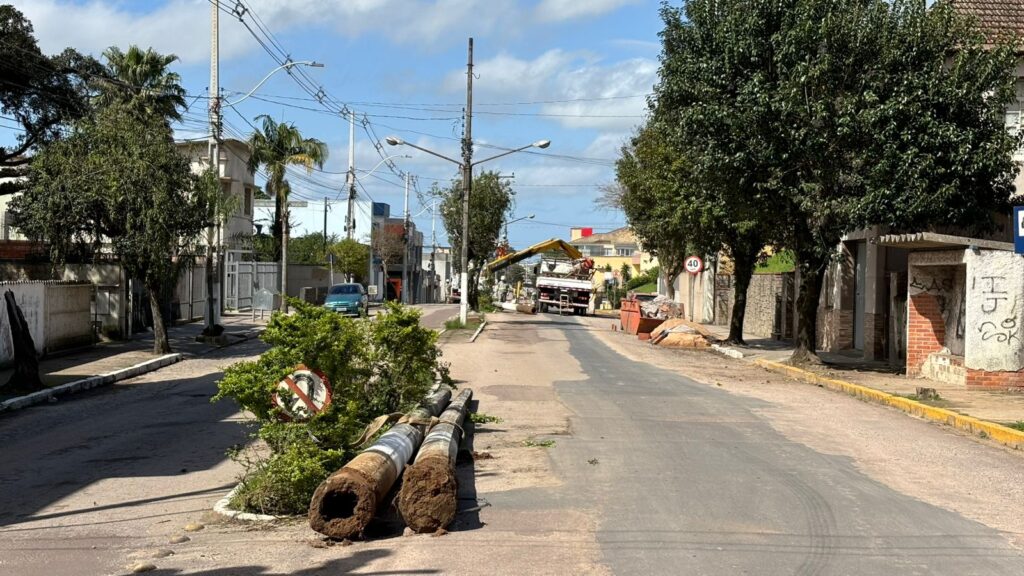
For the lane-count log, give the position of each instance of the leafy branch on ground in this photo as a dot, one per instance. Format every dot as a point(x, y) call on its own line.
point(374, 367)
point(481, 418)
point(531, 443)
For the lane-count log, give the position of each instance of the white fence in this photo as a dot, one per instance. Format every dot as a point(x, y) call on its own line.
point(57, 314)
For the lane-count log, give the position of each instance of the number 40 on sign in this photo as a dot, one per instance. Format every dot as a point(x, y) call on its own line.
point(693, 264)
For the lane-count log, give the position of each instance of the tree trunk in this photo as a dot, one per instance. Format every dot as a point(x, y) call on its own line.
point(284, 260)
point(812, 273)
point(670, 273)
point(277, 229)
point(161, 345)
point(744, 259)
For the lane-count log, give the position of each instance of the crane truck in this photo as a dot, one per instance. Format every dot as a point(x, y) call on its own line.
point(564, 282)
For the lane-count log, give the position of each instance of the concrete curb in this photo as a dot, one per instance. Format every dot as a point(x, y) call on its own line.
point(478, 331)
point(90, 382)
point(981, 428)
point(223, 507)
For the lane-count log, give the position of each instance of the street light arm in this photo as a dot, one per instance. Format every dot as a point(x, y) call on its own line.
point(398, 142)
point(371, 170)
point(506, 153)
point(287, 65)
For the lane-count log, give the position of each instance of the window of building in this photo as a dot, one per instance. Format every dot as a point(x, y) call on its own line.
point(624, 251)
point(248, 201)
point(609, 250)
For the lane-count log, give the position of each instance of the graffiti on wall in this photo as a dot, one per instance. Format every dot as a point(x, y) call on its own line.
point(999, 323)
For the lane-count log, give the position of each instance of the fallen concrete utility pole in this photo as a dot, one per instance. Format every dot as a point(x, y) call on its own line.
point(344, 504)
point(522, 308)
point(429, 492)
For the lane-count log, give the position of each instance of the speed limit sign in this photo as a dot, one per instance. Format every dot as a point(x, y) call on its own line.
point(693, 265)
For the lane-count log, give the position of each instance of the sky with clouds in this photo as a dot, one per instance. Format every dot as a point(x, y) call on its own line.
point(575, 72)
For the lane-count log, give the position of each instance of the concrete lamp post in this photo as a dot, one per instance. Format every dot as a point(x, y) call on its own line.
point(467, 183)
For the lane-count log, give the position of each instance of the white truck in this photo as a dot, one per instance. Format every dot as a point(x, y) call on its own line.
point(563, 284)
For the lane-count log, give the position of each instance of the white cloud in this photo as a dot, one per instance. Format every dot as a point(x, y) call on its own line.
point(560, 10)
point(595, 95)
point(181, 27)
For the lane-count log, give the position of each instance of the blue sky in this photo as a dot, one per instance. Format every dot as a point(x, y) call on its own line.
point(572, 71)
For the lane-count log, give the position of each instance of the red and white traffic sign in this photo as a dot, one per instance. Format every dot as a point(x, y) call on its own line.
point(693, 264)
point(303, 393)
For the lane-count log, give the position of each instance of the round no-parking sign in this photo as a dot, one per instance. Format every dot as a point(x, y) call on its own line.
point(303, 393)
point(693, 264)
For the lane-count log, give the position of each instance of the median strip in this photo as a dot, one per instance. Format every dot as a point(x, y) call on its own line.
point(981, 428)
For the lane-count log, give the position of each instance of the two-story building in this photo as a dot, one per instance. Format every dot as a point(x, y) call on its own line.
point(611, 251)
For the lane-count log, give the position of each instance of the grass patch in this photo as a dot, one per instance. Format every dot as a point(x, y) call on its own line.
point(778, 263)
point(647, 288)
point(481, 418)
point(531, 443)
point(937, 401)
point(1018, 425)
point(455, 324)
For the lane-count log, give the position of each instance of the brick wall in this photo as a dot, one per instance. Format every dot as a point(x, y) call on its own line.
point(1012, 381)
point(926, 331)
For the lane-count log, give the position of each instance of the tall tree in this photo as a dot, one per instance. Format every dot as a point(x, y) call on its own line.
point(142, 79)
point(351, 258)
point(275, 146)
point(490, 203)
point(853, 113)
point(387, 244)
point(658, 193)
point(118, 183)
point(42, 94)
point(707, 117)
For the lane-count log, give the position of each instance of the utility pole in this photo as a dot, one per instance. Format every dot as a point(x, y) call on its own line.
point(327, 206)
point(405, 245)
point(433, 252)
point(214, 156)
point(350, 222)
point(467, 189)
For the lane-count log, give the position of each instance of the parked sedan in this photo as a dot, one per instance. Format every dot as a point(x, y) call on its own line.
point(347, 299)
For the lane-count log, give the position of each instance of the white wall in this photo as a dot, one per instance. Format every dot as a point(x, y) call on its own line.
point(995, 311)
point(57, 316)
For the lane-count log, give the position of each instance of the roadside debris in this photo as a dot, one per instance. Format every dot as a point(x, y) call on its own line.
point(344, 504)
point(429, 492)
point(681, 333)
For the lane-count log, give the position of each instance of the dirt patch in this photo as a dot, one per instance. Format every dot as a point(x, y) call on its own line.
point(429, 496)
point(343, 505)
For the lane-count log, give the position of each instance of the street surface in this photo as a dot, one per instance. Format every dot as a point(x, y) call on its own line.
point(662, 462)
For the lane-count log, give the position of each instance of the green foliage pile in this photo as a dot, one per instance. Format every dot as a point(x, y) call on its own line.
point(377, 366)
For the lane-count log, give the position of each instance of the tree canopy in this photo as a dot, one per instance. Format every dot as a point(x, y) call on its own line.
point(42, 94)
point(832, 115)
point(118, 180)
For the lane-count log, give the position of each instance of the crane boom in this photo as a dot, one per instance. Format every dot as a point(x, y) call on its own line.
point(539, 248)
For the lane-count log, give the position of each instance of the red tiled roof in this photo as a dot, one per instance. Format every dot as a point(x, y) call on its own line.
point(995, 17)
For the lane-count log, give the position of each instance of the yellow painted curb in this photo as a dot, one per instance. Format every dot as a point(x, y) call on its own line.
point(1002, 434)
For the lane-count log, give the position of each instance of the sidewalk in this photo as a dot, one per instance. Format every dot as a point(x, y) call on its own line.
point(114, 356)
point(999, 407)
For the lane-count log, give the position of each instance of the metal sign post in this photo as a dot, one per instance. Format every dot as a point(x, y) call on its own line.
point(1018, 229)
point(694, 265)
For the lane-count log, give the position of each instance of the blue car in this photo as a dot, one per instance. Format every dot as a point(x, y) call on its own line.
point(349, 299)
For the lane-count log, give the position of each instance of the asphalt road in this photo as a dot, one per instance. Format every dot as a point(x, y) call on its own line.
point(83, 479)
point(688, 479)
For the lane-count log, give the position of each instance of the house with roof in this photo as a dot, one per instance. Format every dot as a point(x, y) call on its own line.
point(611, 251)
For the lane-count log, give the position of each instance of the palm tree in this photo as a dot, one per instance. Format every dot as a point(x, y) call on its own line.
point(141, 78)
point(275, 146)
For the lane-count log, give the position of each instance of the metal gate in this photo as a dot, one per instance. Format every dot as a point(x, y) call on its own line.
point(243, 277)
